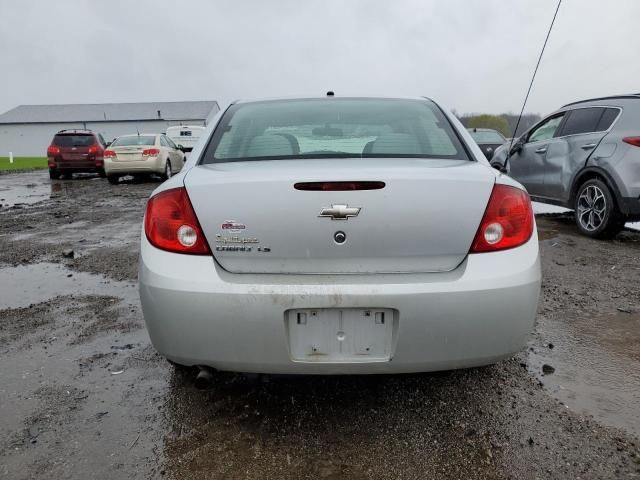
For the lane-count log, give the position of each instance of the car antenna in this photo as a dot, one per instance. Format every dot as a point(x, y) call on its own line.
point(544, 45)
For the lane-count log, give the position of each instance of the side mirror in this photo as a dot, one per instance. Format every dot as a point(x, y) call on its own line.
point(517, 147)
point(181, 148)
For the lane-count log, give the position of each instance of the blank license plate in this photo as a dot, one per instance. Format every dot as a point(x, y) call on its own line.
point(340, 335)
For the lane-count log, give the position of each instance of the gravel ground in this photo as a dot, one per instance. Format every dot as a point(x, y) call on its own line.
point(84, 395)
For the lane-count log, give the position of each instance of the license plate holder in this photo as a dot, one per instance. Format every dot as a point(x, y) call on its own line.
point(340, 335)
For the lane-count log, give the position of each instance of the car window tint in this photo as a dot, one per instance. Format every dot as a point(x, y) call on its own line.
point(582, 120)
point(486, 136)
point(337, 128)
point(163, 141)
point(546, 130)
point(170, 142)
point(133, 140)
point(609, 115)
point(73, 140)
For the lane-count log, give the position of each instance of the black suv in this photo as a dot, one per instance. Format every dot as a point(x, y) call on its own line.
point(76, 151)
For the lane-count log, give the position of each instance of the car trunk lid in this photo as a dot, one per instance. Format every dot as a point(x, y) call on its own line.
point(424, 219)
point(129, 153)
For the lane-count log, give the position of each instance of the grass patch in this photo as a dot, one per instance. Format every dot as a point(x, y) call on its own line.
point(23, 163)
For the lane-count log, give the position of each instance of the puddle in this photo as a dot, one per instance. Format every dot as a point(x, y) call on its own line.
point(23, 189)
point(597, 365)
point(28, 188)
point(25, 285)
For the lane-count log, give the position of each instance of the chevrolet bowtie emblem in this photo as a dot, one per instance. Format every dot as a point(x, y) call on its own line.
point(339, 212)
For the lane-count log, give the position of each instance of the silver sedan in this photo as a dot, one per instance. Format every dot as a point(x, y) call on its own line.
point(338, 236)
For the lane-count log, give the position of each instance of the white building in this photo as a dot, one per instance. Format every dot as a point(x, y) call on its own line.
point(27, 130)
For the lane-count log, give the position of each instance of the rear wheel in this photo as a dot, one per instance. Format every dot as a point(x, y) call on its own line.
point(102, 173)
point(596, 211)
point(54, 173)
point(113, 179)
point(168, 173)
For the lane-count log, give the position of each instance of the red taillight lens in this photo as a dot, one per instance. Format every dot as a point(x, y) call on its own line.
point(635, 141)
point(53, 150)
point(171, 224)
point(507, 221)
point(94, 150)
point(151, 152)
point(109, 154)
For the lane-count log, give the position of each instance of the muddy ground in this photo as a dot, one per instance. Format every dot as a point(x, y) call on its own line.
point(84, 395)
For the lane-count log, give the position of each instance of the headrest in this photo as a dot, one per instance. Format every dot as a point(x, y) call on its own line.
point(400, 143)
point(269, 146)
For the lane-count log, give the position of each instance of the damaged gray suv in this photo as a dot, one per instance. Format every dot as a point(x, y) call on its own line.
point(586, 157)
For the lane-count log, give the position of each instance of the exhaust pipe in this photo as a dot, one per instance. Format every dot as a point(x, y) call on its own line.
point(204, 379)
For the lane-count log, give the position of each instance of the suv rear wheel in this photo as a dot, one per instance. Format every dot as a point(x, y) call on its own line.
point(54, 173)
point(596, 212)
point(113, 179)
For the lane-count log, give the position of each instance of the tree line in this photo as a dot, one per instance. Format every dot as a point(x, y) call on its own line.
point(505, 123)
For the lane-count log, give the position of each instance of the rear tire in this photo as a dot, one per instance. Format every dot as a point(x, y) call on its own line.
point(54, 173)
point(596, 212)
point(168, 172)
point(102, 173)
point(113, 179)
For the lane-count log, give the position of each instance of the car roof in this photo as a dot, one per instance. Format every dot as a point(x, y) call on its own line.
point(140, 135)
point(329, 97)
point(71, 131)
point(630, 96)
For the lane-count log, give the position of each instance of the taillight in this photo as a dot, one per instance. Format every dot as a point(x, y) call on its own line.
point(635, 141)
point(151, 152)
point(109, 154)
point(53, 150)
point(94, 150)
point(171, 224)
point(507, 221)
point(338, 186)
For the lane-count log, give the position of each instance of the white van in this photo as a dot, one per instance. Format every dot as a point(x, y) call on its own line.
point(185, 135)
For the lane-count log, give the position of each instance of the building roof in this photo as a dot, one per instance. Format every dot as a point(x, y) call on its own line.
point(110, 112)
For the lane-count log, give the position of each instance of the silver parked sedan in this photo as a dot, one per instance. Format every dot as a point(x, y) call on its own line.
point(142, 154)
point(338, 236)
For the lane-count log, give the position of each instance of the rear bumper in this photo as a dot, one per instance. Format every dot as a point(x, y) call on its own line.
point(81, 165)
point(198, 314)
point(150, 165)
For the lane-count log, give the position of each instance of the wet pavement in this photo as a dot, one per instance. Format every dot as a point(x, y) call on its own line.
point(84, 395)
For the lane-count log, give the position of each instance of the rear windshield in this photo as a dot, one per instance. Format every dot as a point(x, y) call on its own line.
point(333, 128)
point(486, 136)
point(78, 140)
point(134, 140)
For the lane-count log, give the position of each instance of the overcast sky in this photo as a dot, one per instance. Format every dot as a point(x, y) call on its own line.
point(472, 55)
